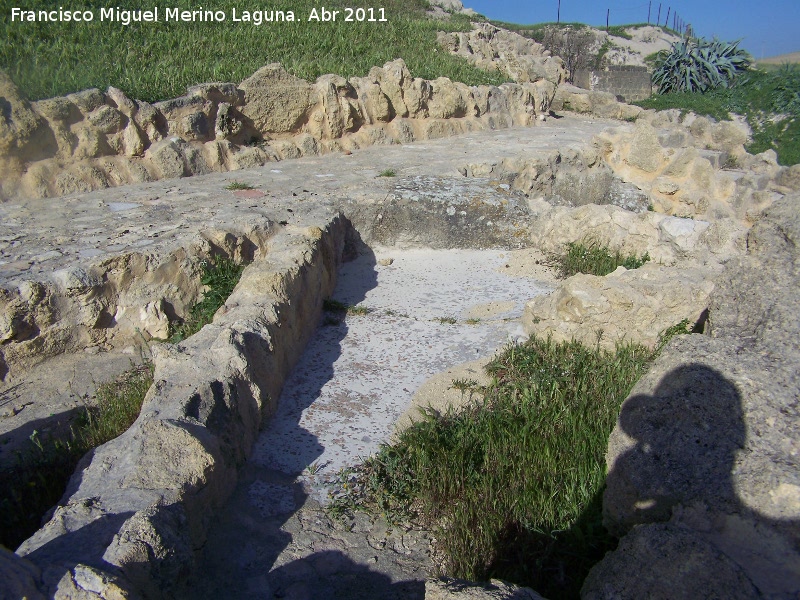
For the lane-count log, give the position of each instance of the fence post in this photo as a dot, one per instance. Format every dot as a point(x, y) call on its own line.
point(558, 18)
point(658, 20)
point(666, 21)
point(608, 12)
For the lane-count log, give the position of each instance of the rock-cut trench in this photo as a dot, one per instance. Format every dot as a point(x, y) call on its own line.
point(426, 311)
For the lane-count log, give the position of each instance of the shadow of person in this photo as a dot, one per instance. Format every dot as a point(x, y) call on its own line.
point(680, 444)
point(679, 464)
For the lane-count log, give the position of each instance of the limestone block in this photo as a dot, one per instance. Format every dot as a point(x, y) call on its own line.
point(569, 97)
point(449, 99)
point(376, 104)
point(217, 93)
point(80, 177)
point(121, 102)
point(87, 101)
point(645, 153)
point(89, 583)
point(133, 142)
point(106, 120)
point(339, 110)
point(150, 121)
point(21, 129)
point(276, 101)
point(728, 135)
point(394, 78)
point(167, 157)
point(626, 305)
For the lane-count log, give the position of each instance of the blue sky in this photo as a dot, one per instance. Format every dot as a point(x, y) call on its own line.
point(767, 27)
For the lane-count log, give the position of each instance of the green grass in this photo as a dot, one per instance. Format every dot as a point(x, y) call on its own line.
point(238, 185)
point(332, 305)
point(593, 259)
point(40, 476)
point(220, 276)
point(388, 173)
point(155, 61)
point(511, 485)
point(760, 96)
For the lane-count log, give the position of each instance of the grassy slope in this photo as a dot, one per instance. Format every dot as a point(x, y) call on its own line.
point(155, 61)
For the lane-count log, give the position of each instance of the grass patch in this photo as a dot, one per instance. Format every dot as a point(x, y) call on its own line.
point(619, 31)
point(220, 276)
point(238, 185)
point(332, 305)
point(511, 485)
point(388, 173)
point(155, 61)
point(446, 320)
point(40, 477)
point(593, 259)
point(769, 101)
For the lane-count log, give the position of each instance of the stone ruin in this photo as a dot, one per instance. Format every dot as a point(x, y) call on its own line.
point(723, 234)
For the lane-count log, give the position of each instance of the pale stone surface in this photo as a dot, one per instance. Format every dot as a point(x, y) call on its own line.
point(624, 306)
point(667, 240)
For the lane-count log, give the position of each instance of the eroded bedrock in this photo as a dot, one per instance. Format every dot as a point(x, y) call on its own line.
point(96, 275)
point(138, 509)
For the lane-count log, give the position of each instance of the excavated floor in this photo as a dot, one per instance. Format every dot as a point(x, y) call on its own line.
point(355, 379)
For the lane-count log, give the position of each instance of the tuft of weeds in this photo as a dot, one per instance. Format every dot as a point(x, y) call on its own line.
point(511, 485)
point(238, 185)
point(446, 320)
point(473, 321)
point(220, 276)
point(38, 480)
point(332, 305)
point(593, 259)
point(388, 173)
point(464, 385)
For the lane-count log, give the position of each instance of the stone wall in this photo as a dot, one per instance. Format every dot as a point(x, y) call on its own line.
point(93, 139)
point(138, 508)
point(628, 82)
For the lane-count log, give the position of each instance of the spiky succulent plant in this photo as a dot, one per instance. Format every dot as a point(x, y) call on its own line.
point(699, 65)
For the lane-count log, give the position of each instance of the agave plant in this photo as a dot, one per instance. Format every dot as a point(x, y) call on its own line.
point(699, 65)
